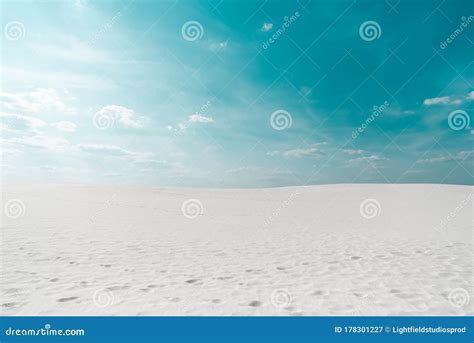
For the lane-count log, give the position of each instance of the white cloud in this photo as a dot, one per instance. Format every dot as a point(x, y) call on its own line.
point(461, 155)
point(120, 114)
point(267, 27)
point(299, 153)
point(371, 158)
point(11, 75)
point(218, 46)
point(414, 171)
point(152, 164)
point(464, 154)
point(66, 126)
point(113, 150)
point(448, 100)
point(40, 100)
point(192, 119)
point(14, 121)
point(40, 142)
point(242, 170)
point(303, 152)
point(197, 118)
point(353, 151)
point(435, 159)
point(436, 101)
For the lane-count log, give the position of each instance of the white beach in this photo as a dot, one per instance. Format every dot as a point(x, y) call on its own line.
point(123, 250)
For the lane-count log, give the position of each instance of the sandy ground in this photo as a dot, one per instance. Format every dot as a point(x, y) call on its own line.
point(319, 250)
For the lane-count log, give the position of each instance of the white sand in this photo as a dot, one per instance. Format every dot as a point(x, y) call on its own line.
point(89, 250)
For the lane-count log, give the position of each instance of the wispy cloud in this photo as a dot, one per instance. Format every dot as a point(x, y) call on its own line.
point(371, 158)
point(66, 126)
point(461, 155)
point(436, 101)
point(448, 100)
point(20, 122)
point(123, 115)
point(217, 46)
point(40, 142)
point(243, 170)
point(192, 119)
point(38, 101)
point(266, 27)
point(197, 118)
point(312, 151)
point(158, 89)
point(113, 150)
point(353, 151)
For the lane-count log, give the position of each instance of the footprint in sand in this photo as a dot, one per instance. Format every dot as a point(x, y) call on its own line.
point(255, 303)
point(62, 300)
point(9, 305)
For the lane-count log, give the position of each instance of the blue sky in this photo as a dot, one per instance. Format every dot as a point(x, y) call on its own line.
point(202, 93)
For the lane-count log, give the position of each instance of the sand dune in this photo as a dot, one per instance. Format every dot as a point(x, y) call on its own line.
point(319, 250)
